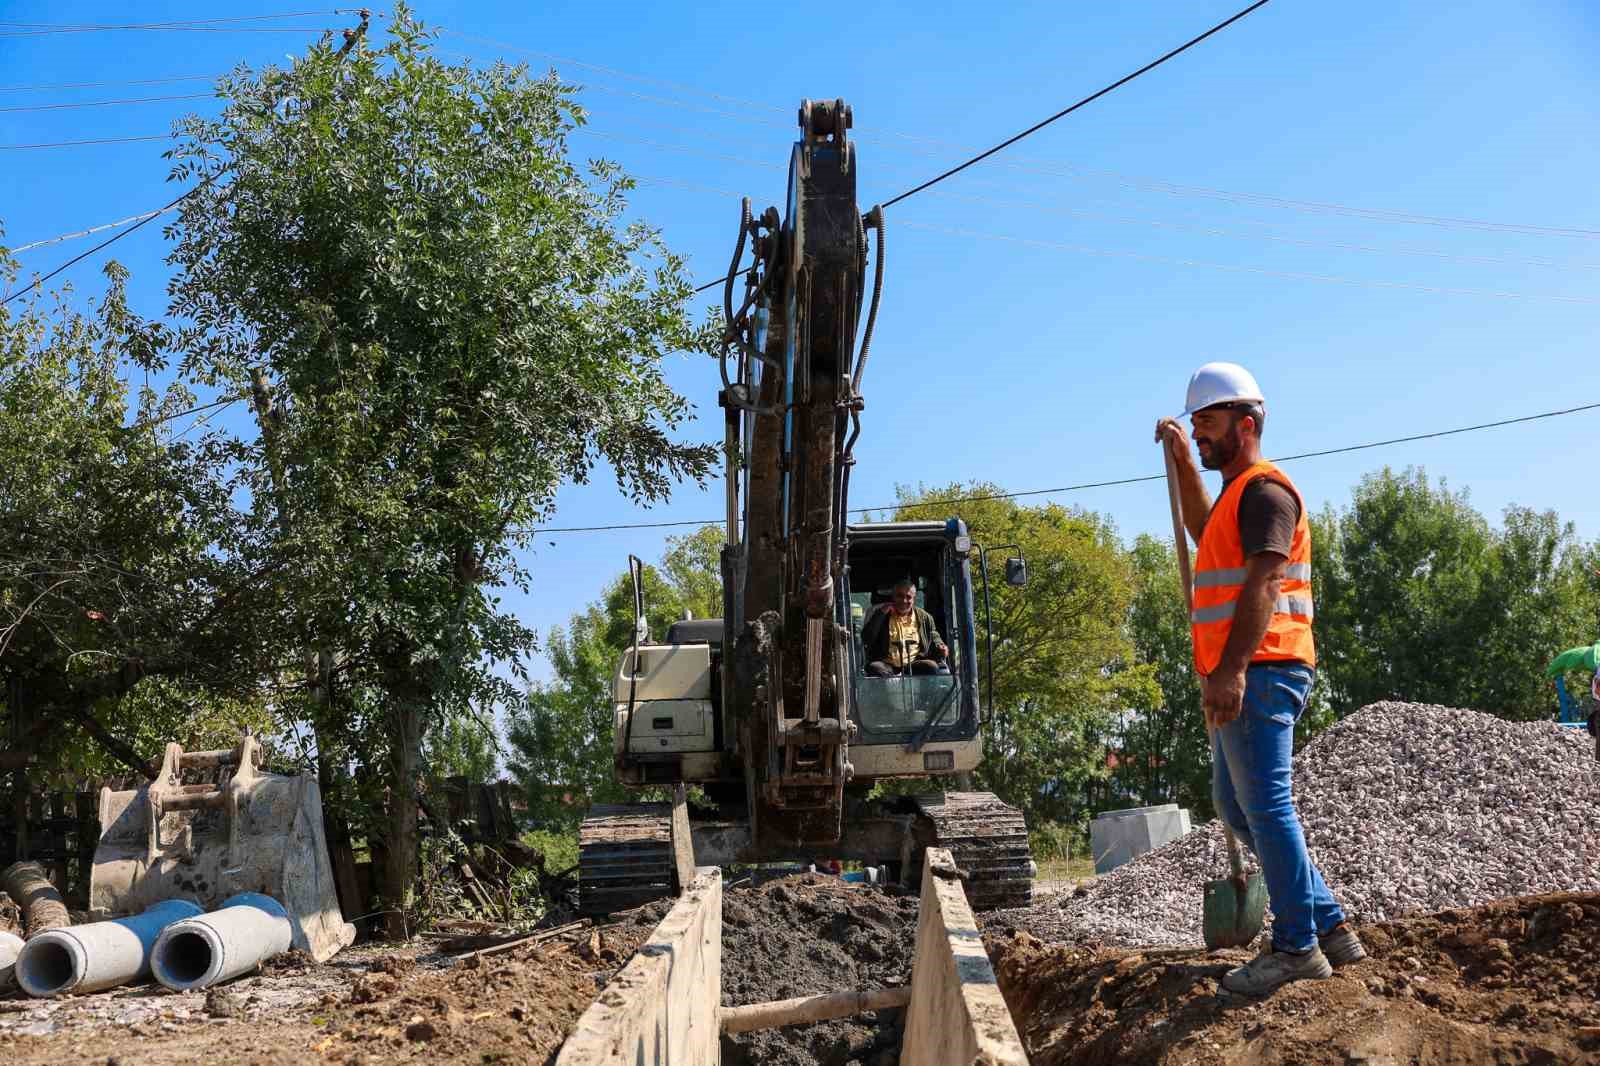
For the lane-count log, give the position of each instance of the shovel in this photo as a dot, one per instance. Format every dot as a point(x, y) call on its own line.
point(1236, 905)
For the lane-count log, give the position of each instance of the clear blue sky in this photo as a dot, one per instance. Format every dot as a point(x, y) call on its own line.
point(1171, 223)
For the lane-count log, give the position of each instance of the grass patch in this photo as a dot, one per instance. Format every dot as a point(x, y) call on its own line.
point(1073, 869)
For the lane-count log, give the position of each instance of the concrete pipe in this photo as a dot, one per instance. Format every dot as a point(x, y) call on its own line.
point(232, 940)
point(88, 958)
point(10, 946)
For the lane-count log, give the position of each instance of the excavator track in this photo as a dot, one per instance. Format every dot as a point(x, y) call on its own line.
point(624, 856)
point(988, 838)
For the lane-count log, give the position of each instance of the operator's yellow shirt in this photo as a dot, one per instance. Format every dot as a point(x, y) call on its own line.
point(905, 639)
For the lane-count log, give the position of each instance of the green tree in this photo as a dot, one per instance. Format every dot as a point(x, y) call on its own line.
point(1419, 598)
point(130, 583)
point(443, 319)
point(1063, 663)
point(1168, 757)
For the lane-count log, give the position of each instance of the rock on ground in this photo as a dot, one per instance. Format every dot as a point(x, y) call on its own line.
point(1407, 808)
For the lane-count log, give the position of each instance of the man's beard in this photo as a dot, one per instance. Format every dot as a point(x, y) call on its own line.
point(1223, 450)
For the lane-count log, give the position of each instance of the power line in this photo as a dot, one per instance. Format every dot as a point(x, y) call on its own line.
point(1082, 486)
point(108, 103)
point(1091, 98)
point(104, 84)
point(87, 232)
point(1067, 170)
point(38, 281)
point(92, 140)
point(1236, 268)
point(213, 25)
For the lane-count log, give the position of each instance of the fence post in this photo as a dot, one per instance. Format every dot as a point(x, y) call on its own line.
point(88, 812)
point(59, 820)
point(19, 813)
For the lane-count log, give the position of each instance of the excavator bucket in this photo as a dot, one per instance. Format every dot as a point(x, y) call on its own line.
point(253, 832)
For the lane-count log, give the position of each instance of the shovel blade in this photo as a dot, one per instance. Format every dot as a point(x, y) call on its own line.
point(1233, 913)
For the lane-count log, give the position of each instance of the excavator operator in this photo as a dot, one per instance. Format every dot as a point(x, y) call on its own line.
point(902, 638)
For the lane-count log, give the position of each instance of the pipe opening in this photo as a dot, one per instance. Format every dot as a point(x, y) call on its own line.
point(186, 958)
point(46, 968)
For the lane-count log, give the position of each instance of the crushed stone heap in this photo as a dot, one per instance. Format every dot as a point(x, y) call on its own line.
point(1407, 807)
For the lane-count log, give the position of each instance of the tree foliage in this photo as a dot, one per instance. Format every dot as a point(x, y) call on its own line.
point(123, 557)
point(1419, 598)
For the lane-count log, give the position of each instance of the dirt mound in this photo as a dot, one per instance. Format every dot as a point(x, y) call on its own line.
point(808, 935)
point(1516, 981)
point(1408, 808)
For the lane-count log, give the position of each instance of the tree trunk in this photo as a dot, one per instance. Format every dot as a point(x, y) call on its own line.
point(406, 759)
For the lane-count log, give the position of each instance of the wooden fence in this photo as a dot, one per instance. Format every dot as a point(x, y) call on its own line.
point(57, 829)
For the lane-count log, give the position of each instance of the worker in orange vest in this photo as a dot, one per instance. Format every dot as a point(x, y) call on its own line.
point(1253, 649)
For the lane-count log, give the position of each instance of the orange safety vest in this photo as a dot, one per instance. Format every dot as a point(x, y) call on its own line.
point(1219, 573)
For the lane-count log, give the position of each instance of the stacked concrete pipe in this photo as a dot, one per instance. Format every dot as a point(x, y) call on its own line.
point(10, 947)
point(89, 958)
point(232, 940)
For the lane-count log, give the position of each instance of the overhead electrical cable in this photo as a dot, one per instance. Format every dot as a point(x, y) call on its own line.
point(1238, 268)
point(105, 84)
point(92, 140)
point(90, 231)
point(213, 25)
point(1086, 485)
point(107, 103)
point(41, 279)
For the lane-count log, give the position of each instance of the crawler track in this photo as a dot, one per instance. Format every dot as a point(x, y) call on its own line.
point(624, 856)
point(988, 838)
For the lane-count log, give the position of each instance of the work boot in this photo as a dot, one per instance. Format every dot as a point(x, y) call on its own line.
point(1341, 946)
point(1272, 969)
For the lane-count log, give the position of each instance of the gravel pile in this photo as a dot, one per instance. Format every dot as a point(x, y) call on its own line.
point(1407, 807)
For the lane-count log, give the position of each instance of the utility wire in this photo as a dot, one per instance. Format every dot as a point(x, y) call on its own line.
point(1034, 165)
point(92, 140)
point(217, 25)
point(108, 103)
point(87, 232)
point(104, 84)
point(1236, 268)
point(38, 281)
point(1091, 98)
point(1082, 486)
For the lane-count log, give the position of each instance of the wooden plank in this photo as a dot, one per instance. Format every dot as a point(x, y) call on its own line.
point(661, 1009)
point(59, 823)
point(803, 1010)
point(956, 1012)
point(88, 814)
point(682, 840)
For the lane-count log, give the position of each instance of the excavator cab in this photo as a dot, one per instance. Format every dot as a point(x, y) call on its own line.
point(913, 709)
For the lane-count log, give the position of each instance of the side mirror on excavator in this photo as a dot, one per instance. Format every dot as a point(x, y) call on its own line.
point(1016, 571)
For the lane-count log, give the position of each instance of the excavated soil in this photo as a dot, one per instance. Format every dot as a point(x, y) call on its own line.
point(809, 935)
point(515, 1006)
point(1511, 982)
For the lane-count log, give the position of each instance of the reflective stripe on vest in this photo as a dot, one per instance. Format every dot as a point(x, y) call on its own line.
point(1220, 573)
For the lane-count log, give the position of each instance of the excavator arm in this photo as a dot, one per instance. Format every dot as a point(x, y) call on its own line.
point(792, 402)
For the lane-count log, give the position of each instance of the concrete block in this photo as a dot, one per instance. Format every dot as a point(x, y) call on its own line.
point(1116, 837)
point(661, 1009)
point(956, 1014)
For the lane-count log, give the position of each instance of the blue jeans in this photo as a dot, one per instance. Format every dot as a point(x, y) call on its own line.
point(1250, 785)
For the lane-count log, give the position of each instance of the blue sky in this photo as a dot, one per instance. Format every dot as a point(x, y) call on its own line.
point(1371, 205)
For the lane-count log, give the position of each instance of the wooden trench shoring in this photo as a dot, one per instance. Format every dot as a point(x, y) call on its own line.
point(663, 1008)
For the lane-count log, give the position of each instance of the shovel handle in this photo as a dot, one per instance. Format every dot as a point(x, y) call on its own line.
point(1180, 543)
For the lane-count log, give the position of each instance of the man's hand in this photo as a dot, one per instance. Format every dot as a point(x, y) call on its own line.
point(1222, 694)
point(886, 605)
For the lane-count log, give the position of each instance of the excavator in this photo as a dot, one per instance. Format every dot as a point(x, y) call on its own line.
point(770, 709)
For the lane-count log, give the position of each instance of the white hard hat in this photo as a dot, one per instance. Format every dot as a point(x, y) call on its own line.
point(1217, 383)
